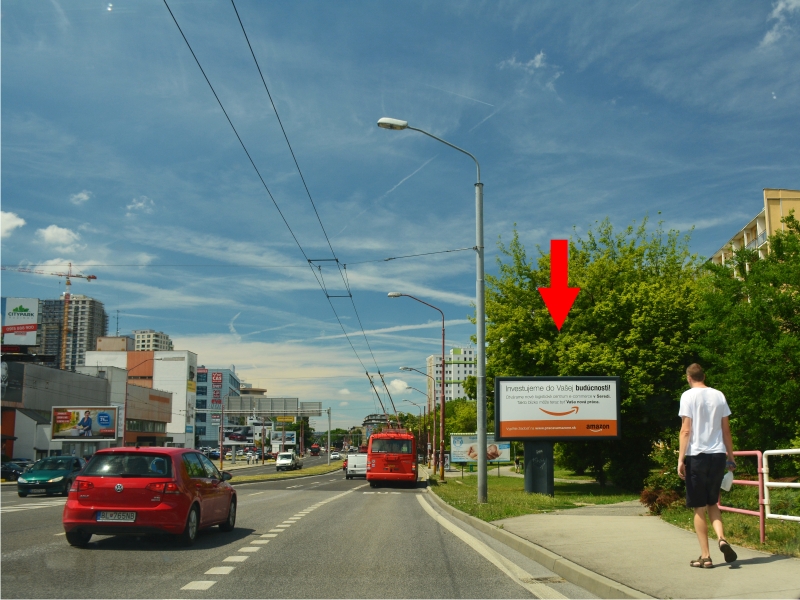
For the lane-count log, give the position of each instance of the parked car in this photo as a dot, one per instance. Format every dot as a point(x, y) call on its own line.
point(213, 454)
point(11, 471)
point(148, 490)
point(51, 475)
point(288, 461)
point(335, 455)
point(25, 463)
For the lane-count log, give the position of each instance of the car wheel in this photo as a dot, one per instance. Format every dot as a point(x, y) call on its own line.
point(230, 522)
point(65, 491)
point(189, 535)
point(373, 484)
point(78, 538)
point(22, 494)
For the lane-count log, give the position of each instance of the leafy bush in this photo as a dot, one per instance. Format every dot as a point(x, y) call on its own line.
point(663, 487)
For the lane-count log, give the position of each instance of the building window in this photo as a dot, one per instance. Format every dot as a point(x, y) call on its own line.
point(202, 390)
point(200, 417)
point(202, 377)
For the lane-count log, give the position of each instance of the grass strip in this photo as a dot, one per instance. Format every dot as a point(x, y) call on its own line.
point(317, 470)
point(782, 537)
point(507, 497)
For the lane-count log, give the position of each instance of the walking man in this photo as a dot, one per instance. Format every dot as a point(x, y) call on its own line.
point(705, 442)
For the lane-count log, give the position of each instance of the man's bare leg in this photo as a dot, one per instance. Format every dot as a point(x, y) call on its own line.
point(701, 529)
point(715, 515)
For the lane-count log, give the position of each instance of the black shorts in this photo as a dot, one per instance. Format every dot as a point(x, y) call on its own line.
point(704, 473)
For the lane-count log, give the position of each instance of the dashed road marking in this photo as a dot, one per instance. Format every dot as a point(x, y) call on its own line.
point(235, 559)
point(219, 571)
point(198, 585)
point(62, 533)
point(269, 535)
point(249, 549)
point(289, 522)
point(260, 542)
point(31, 506)
point(256, 493)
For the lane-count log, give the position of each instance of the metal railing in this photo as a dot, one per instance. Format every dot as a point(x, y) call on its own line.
point(757, 241)
point(777, 484)
point(760, 513)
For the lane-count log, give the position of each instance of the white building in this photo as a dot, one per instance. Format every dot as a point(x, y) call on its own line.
point(148, 339)
point(459, 364)
point(170, 371)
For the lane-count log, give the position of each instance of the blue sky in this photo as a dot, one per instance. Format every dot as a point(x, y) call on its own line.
point(115, 152)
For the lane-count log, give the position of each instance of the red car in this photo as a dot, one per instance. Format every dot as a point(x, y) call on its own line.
point(148, 490)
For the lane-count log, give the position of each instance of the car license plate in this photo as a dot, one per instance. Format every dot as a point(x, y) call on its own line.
point(118, 517)
point(38, 491)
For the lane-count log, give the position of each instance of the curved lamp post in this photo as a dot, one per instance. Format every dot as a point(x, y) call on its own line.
point(480, 304)
point(431, 405)
point(441, 420)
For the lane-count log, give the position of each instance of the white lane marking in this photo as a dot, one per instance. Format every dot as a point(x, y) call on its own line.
point(62, 533)
point(370, 492)
point(219, 571)
point(270, 535)
point(280, 527)
point(235, 559)
point(291, 487)
point(260, 542)
point(256, 493)
point(276, 531)
point(198, 585)
point(31, 506)
point(249, 549)
point(511, 570)
point(290, 522)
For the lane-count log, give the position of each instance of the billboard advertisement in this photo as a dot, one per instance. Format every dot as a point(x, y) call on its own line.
point(20, 321)
point(276, 437)
point(557, 408)
point(464, 448)
point(84, 423)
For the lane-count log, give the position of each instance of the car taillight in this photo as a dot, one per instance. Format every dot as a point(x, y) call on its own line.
point(82, 486)
point(171, 488)
point(156, 487)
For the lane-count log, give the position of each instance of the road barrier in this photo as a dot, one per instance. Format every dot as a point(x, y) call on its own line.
point(777, 484)
point(760, 513)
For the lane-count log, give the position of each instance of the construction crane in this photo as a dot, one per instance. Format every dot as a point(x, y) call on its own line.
point(64, 327)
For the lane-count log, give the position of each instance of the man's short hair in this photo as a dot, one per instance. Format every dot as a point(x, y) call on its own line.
point(696, 372)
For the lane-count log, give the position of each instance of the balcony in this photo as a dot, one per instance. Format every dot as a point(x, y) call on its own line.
point(758, 241)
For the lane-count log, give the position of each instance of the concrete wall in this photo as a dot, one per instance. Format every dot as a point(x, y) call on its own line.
point(44, 388)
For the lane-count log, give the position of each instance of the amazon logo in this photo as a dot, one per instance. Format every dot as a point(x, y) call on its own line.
point(597, 428)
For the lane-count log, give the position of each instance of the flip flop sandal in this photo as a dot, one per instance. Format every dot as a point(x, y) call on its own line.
point(725, 548)
point(702, 563)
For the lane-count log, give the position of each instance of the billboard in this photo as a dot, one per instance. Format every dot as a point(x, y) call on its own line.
point(464, 448)
point(276, 437)
point(557, 408)
point(20, 321)
point(84, 423)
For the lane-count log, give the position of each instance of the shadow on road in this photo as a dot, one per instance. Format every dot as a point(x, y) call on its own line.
point(206, 539)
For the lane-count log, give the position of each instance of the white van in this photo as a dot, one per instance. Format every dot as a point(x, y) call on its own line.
point(356, 466)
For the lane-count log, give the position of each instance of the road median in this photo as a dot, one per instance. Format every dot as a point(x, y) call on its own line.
point(309, 472)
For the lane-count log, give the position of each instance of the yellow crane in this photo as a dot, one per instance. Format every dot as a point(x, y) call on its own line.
point(64, 326)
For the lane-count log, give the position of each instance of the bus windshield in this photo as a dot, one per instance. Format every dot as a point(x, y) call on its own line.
point(392, 446)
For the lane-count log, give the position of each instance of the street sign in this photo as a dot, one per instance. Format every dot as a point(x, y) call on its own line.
point(557, 408)
point(284, 419)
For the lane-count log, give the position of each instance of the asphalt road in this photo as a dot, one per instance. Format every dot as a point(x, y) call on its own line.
point(312, 537)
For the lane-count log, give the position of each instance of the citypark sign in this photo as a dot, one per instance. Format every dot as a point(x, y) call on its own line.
point(557, 409)
point(20, 321)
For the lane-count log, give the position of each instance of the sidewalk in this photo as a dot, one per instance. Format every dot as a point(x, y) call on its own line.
point(623, 543)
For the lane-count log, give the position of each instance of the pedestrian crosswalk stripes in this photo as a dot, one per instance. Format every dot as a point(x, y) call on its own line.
point(7, 508)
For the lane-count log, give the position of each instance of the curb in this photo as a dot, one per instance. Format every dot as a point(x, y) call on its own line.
point(595, 583)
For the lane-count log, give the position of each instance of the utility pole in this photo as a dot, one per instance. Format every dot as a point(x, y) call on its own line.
point(329, 436)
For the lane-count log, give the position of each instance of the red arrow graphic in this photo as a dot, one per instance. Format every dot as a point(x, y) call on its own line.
point(555, 414)
point(558, 297)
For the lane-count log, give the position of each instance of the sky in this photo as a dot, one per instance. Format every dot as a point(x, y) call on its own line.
point(117, 157)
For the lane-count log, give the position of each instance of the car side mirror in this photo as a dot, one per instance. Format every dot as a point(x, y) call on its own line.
point(226, 476)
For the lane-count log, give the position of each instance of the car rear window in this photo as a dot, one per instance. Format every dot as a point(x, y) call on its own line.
point(138, 464)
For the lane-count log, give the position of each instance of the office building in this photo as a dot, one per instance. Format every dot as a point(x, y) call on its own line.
point(213, 385)
point(148, 339)
point(459, 364)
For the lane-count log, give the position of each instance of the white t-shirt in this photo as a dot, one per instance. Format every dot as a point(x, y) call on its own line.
point(706, 407)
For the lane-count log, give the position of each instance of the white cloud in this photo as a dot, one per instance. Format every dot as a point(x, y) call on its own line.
point(344, 392)
point(60, 238)
point(80, 197)
point(397, 385)
point(780, 13)
point(344, 404)
point(537, 62)
point(142, 204)
point(9, 222)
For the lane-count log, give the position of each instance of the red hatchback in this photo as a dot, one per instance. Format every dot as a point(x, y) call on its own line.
point(148, 490)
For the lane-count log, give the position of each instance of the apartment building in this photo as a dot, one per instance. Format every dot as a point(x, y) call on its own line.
point(148, 339)
point(87, 320)
point(460, 363)
point(213, 385)
point(777, 204)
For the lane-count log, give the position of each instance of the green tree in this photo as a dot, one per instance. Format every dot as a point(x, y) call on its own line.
point(632, 319)
point(748, 339)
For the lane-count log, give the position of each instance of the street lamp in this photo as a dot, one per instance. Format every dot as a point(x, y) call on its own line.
point(431, 406)
point(422, 418)
point(441, 420)
point(480, 302)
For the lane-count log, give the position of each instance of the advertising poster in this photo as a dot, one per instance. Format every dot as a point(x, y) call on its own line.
point(20, 321)
point(557, 408)
point(276, 437)
point(464, 448)
point(84, 423)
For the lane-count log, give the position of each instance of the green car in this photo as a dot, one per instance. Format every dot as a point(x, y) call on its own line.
point(52, 475)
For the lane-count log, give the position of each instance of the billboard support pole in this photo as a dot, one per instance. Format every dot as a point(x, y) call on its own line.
point(539, 467)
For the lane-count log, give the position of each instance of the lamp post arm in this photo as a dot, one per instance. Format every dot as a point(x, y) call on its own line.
point(477, 164)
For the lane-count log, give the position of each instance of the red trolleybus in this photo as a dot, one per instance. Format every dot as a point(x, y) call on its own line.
point(392, 456)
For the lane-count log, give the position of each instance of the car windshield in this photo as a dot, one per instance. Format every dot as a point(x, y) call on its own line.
point(392, 446)
point(137, 464)
point(54, 464)
point(286, 456)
